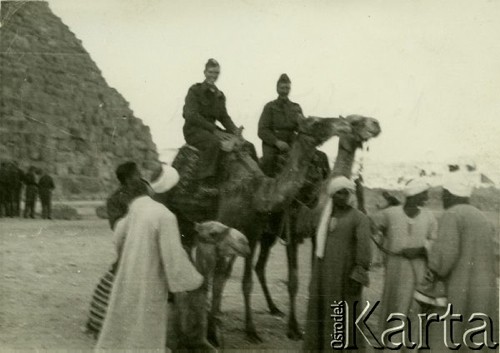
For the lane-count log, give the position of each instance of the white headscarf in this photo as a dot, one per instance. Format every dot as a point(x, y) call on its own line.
point(336, 184)
point(167, 180)
point(458, 185)
point(415, 187)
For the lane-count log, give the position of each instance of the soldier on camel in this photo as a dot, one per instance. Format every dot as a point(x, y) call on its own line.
point(278, 126)
point(205, 104)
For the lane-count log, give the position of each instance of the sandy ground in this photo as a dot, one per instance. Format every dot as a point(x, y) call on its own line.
point(48, 270)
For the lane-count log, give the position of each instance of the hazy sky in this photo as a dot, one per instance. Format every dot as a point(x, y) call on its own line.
point(428, 70)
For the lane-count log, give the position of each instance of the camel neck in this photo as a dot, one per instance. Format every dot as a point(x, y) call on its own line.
point(345, 157)
point(275, 194)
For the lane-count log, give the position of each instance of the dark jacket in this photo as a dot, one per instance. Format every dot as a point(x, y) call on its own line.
point(204, 106)
point(29, 179)
point(46, 183)
point(279, 121)
point(19, 178)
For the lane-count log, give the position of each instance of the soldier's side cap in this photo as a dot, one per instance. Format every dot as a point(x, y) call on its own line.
point(284, 79)
point(211, 63)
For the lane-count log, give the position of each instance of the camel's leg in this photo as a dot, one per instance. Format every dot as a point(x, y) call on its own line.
point(313, 251)
point(250, 329)
point(222, 273)
point(266, 244)
point(294, 332)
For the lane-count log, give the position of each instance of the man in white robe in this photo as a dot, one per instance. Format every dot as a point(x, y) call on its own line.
point(408, 229)
point(152, 262)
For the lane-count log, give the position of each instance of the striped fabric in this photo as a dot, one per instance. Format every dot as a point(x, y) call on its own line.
point(99, 303)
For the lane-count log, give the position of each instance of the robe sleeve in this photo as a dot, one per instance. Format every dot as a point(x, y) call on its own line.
point(379, 221)
point(363, 252)
point(180, 272)
point(432, 235)
point(363, 246)
point(445, 250)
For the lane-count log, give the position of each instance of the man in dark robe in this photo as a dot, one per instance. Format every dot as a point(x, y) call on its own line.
point(31, 193)
point(278, 126)
point(340, 270)
point(205, 104)
point(45, 187)
point(464, 257)
point(117, 204)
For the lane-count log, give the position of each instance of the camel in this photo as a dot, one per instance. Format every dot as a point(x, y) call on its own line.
point(303, 224)
point(213, 240)
point(247, 196)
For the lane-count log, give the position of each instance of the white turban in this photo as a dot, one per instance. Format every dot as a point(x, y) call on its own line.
point(167, 180)
point(458, 185)
point(339, 183)
point(415, 187)
point(336, 184)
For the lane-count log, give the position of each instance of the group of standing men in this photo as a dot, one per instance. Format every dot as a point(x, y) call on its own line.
point(459, 251)
point(36, 183)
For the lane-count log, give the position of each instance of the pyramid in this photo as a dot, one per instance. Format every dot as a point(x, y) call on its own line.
point(56, 110)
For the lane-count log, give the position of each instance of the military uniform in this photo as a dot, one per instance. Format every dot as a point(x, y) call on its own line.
point(279, 121)
point(17, 191)
point(3, 190)
point(8, 180)
point(45, 187)
point(205, 105)
point(31, 194)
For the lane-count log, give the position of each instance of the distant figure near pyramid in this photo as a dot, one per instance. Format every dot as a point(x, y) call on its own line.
point(56, 110)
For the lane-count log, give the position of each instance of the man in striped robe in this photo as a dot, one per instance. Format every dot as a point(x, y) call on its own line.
point(117, 204)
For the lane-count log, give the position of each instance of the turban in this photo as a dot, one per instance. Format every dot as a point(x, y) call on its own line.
point(167, 179)
point(211, 63)
point(336, 184)
point(458, 185)
point(415, 187)
point(284, 79)
point(339, 183)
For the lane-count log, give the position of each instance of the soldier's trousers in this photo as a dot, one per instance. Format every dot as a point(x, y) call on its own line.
point(2, 201)
point(270, 160)
point(209, 146)
point(30, 201)
point(6, 202)
point(46, 201)
point(16, 201)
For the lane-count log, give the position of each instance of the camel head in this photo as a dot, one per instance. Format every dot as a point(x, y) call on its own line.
point(224, 240)
point(322, 129)
point(363, 128)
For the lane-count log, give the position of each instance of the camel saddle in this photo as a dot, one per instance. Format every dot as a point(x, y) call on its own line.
point(191, 196)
